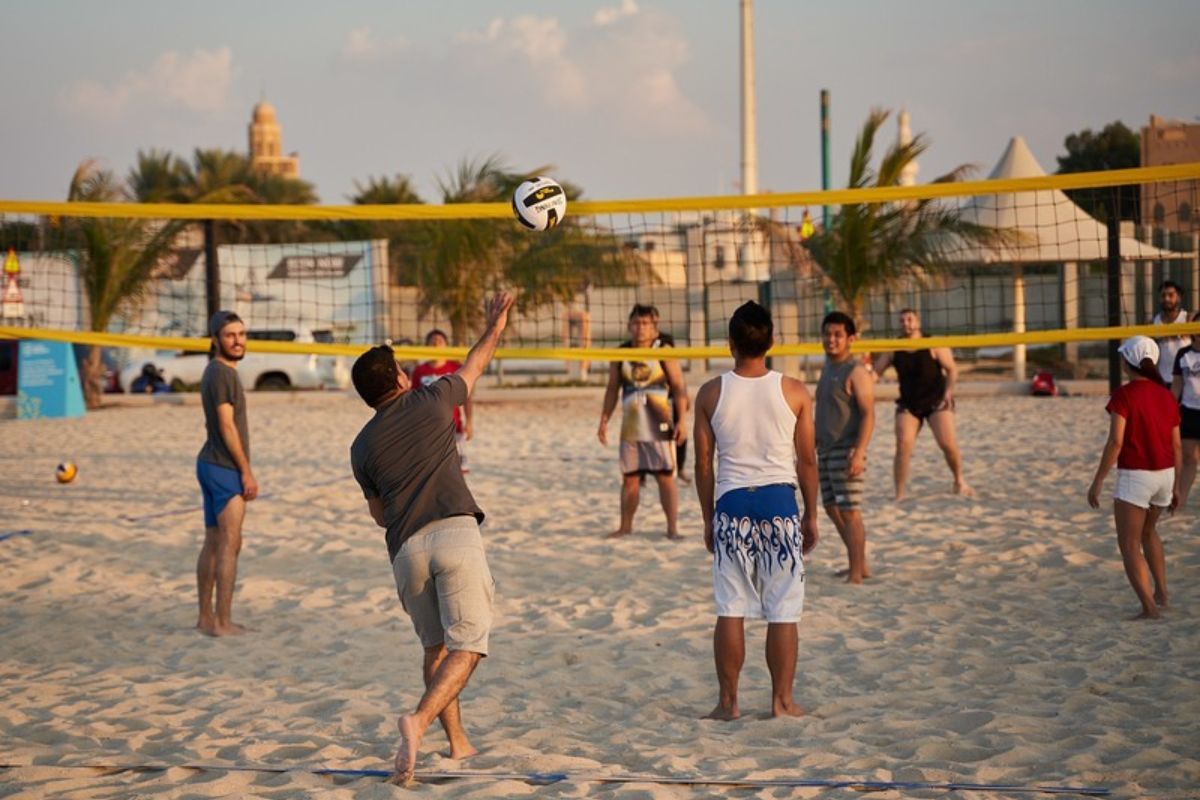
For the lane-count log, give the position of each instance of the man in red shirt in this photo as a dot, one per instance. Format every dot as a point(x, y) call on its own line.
point(426, 373)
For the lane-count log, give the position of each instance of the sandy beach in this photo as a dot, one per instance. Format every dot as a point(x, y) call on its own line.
point(992, 645)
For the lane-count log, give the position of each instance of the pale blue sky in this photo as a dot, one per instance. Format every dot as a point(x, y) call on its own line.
point(627, 99)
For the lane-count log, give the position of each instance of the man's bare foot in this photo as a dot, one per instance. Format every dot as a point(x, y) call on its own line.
point(844, 573)
point(205, 623)
point(226, 629)
point(618, 533)
point(1161, 600)
point(961, 487)
point(406, 752)
point(674, 535)
point(461, 751)
point(854, 577)
point(1147, 614)
point(788, 709)
point(684, 479)
point(723, 714)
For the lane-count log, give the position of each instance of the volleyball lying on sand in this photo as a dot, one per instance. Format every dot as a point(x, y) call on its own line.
point(539, 203)
point(65, 472)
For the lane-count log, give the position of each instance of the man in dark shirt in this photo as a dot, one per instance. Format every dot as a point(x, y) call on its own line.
point(926, 394)
point(407, 464)
point(223, 469)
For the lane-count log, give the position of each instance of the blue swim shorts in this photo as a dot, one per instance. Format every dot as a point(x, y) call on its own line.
point(219, 485)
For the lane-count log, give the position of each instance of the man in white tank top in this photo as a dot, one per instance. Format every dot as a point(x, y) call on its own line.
point(760, 425)
point(1171, 312)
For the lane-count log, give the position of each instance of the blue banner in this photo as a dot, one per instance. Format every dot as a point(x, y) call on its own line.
point(48, 381)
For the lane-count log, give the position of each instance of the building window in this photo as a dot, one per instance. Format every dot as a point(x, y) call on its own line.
point(1160, 213)
point(1185, 212)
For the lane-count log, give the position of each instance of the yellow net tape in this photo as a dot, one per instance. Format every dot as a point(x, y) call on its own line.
point(887, 194)
point(975, 341)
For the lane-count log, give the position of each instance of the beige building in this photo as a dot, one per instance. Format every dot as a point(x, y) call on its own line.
point(266, 144)
point(1171, 205)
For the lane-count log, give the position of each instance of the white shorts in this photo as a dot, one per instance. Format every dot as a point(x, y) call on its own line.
point(758, 569)
point(1145, 487)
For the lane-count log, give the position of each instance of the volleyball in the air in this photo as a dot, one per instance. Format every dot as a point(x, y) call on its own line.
point(65, 472)
point(539, 204)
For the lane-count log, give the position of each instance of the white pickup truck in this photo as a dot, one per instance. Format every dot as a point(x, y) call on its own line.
point(261, 371)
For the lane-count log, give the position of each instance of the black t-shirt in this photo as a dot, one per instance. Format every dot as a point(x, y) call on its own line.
point(407, 456)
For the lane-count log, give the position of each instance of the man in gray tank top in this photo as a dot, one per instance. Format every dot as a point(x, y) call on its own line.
point(845, 421)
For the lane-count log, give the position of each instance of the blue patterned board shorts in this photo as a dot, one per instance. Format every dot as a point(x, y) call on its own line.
point(758, 568)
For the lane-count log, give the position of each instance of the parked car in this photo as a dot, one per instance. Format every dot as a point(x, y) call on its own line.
point(262, 371)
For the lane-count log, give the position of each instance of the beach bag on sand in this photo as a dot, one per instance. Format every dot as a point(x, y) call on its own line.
point(1043, 385)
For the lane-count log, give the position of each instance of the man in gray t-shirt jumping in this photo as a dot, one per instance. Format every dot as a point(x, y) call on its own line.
point(406, 462)
point(223, 470)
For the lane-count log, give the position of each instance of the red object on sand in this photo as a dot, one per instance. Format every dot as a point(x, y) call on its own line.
point(1043, 385)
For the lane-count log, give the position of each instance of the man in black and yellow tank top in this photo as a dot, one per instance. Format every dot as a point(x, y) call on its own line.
point(926, 394)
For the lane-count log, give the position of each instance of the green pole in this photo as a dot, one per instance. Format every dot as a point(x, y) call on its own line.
point(825, 152)
point(825, 215)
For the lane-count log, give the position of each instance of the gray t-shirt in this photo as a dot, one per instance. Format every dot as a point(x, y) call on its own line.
point(838, 417)
point(407, 456)
point(221, 384)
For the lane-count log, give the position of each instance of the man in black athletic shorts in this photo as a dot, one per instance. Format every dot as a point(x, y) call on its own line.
point(926, 394)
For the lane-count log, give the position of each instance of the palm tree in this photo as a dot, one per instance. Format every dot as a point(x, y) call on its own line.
point(384, 190)
point(455, 263)
point(115, 259)
point(159, 177)
point(870, 245)
point(225, 176)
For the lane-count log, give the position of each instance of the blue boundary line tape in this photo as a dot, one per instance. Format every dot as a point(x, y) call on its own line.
point(14, 534)
point(194, 509)
point(548, 778)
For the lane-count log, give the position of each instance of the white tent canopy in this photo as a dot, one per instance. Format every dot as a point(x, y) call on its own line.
point(1052, 228)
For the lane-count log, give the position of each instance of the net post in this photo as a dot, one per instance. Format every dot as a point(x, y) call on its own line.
point(1193, 246)
point(696, 294)
point(1018, 317)
point(1114, 292)
point(1070, 312)
point(212, 271)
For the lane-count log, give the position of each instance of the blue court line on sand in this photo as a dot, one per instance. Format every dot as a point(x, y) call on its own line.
point(194, 509)
point(547, 778)
point(14, 534)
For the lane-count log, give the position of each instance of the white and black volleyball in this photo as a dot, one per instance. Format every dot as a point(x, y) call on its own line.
point(539, 204)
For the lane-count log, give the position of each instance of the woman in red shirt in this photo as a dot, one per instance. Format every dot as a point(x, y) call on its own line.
point(1143, 441)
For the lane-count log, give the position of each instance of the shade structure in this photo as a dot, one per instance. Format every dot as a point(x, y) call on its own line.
point(1050, 226)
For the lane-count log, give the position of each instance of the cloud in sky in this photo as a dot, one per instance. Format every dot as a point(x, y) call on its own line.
point(362, 44)
point(531, 49)
point(622, 66)
point(199, 81)
point(607, 16)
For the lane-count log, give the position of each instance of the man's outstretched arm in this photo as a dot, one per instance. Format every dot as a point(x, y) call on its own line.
point(481, 354)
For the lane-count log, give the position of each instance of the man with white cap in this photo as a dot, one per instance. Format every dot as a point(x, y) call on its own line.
point(1144, 444)
point(223, 469)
